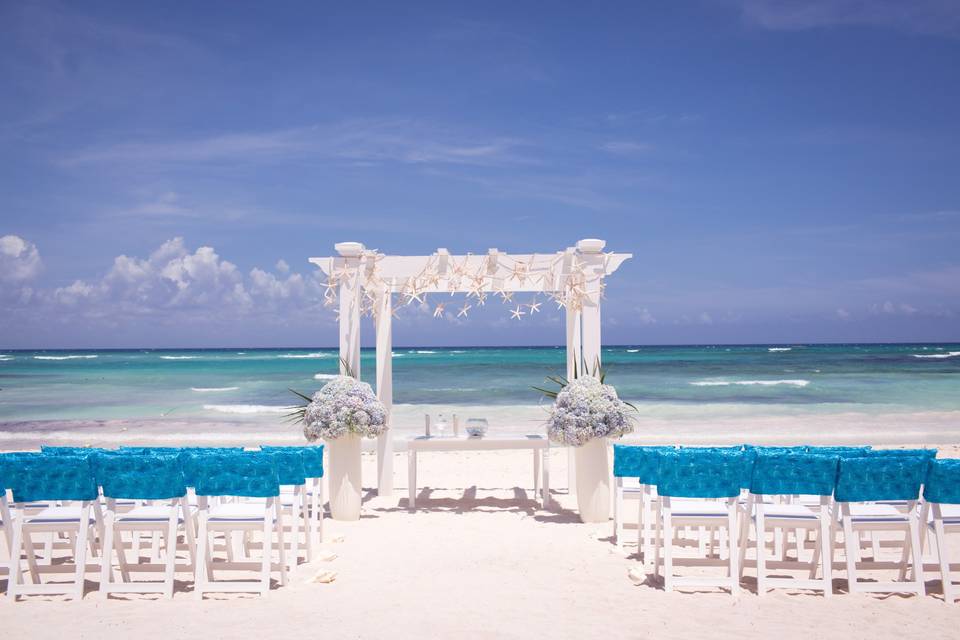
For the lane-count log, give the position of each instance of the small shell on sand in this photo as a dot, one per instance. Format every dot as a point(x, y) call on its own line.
point(324, 577)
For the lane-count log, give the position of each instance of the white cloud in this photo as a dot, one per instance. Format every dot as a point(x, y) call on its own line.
point(893, 308)
point(843, 314)
point(915, 16)
point(19, 260)
point(645, 317)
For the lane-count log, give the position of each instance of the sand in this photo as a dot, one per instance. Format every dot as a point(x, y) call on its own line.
point(480, 559)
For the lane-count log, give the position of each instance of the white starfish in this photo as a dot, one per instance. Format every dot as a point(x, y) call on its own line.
point(463, 310)
point(534, 307)
point(481, 299)
point(506, 295)
point(516, 313)
point(438, 312)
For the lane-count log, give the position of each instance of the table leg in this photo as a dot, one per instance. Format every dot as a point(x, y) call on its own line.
point(536, 475)
point(546, 477)
point(412, 478)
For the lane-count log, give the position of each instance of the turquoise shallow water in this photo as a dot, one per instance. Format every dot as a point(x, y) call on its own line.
point(230, 384)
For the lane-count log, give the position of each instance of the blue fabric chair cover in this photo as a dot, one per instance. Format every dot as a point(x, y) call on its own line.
point(701, 474)
point(312, 459)
point(880, 478)
point(793, 473)
point(632, 461)
point(40, 477)
point(234, 474)
point(760, 449)
point(843, 452)
point(943, 482)
point(289, 460)
point(927, 454)
point(70, 451)
point(750, 452)
point(140, 477)
point(189, 455)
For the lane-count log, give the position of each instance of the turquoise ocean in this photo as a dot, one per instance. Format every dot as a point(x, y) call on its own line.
point(684, 383)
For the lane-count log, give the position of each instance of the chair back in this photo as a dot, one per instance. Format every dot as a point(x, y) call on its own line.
point(793, 473)
point(880, 478)
point(234, 474)
point(312, 459)
point(701, 474)
point(761, 449)
point(38, 477)
point(140, 477)
point(189, 455)
point(290, 469)
point(632, 461)
point(943, 482)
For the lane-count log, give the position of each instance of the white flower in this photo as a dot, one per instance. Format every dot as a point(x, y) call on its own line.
point(586, 409)
point(344, 405)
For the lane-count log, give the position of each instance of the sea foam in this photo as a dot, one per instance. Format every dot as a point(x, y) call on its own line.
point(764, 383)
point(949, 354)
point(325, 376)
point(178, 357)
point(209, 389)
point(776, 349)
point(247, 408)
point(64, 357)
point(304, 355)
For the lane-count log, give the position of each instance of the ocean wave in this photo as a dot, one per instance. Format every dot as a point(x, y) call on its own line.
point(764, 383)
point(64, 357)
point(305, 355)
point(247, 408)
point(425, 351)
point(5, 358)
point(632, 350)
point(458, 352)
point(949, 354)
point(178, 357)
point(776, 349)
point(208, 389)
point(325, 376)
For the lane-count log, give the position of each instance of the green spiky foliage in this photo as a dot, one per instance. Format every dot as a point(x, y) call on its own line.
point(579, 369)
point(299, 412)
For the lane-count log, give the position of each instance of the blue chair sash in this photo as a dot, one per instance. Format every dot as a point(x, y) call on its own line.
point(41, 477)
point(701, 474)
point(140, 477)
point(880, 478)
point(236, 474)
point(943, 482)
point(793, 473)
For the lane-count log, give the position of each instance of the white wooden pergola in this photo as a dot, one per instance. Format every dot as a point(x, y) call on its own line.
point(365, 281)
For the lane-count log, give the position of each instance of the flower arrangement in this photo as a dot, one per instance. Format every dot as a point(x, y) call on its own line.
point(343, 405)
point(585, 409)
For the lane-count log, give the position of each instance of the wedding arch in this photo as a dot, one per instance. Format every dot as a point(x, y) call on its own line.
point(363, 281)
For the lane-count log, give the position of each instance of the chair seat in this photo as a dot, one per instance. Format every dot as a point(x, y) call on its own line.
point(237, 512)
point(949, 512)
point(879, 512)
point(697, 508)
point(148, 513)
point(52, 515)
point(789, 511)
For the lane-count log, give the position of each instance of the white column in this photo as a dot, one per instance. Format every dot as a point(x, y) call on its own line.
point(384, 325)
point(592, 259)
point(574, 346)
point(349, 281)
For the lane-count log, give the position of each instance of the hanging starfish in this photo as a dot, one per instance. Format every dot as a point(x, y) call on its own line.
point(463, 310)
point(438, 312)
point(413, 295)
point(516, 313)
point(519, 271)
point(534, 307)
point(506, 295)
point(481, 299)
point(394, 311)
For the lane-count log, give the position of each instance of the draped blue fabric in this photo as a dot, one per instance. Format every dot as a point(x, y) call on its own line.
point(880, 478)
point(140, 477)
point(289, 462)
point(701, 473)
point(759, 449)
point(749, 452)
point(928, 454)
point(312, 459)
point(234, 474)
point(632, 461)
point(39, 477)
point(843, 452)
point(70, 451)
point(793, 473)
point(943, 482)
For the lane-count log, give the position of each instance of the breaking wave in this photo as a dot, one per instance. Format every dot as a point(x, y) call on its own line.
point(247, 408)
point(64, 357)
point(764, 383)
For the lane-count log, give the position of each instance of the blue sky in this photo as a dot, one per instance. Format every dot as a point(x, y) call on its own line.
point(781, 171)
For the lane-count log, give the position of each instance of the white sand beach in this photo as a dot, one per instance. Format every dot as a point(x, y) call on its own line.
point(480, 559)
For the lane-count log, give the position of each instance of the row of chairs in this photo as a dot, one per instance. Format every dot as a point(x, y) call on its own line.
point(809, 491)
point(87, 500)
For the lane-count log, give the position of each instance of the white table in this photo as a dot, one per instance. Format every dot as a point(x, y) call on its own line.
point(539, 445)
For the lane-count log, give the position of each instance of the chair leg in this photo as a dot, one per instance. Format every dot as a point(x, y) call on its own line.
point(31, 553)
point(761, 529)
point(825, 546)
point(319, 490)
point(851, 543)
point(106, 555)
point(657, 540)
point(267, 552)
point(939, 539)
point(80, 552)
point(307, 526)
point(14, 574)
point(171, 551)
point(667, 535)
point(917, 553)
point(732, 550)
point(281, 541)
point(202, 557)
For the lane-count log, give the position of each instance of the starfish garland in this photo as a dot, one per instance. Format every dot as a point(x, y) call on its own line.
point(516, 313)
point(438, 312)
point(463, 310)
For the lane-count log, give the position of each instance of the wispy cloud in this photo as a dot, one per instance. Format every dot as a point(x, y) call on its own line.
point(358, 141)
point(915, 16)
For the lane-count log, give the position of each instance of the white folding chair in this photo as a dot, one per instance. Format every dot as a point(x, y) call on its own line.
point(941, 514)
